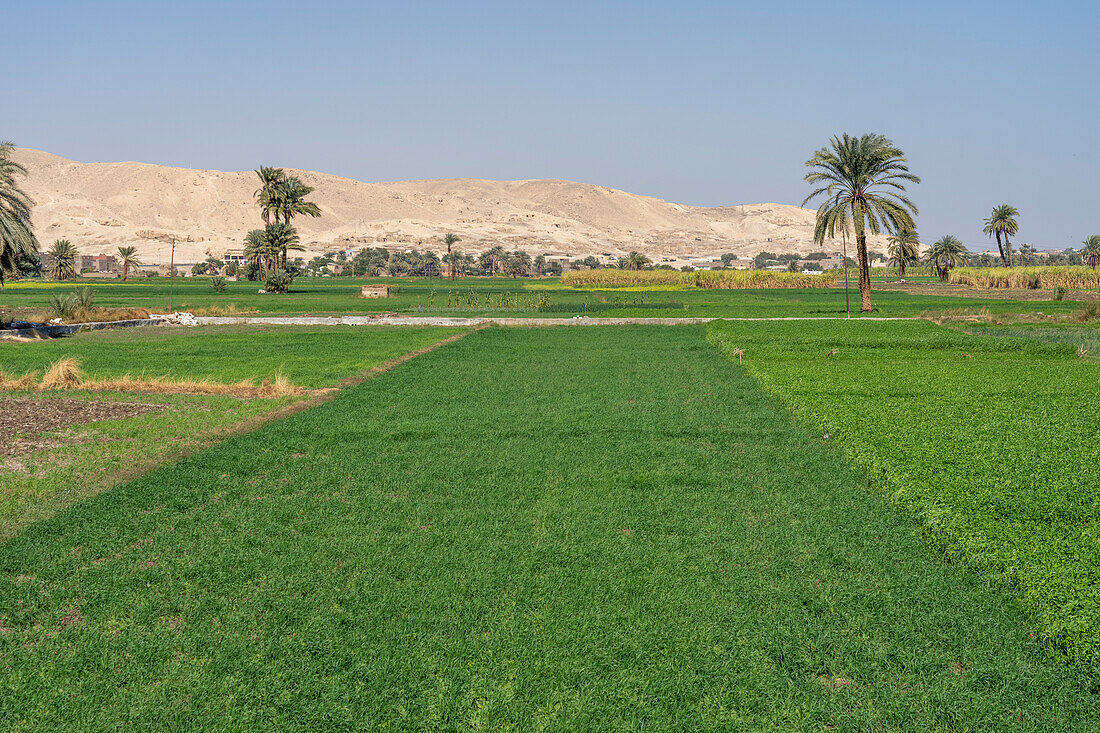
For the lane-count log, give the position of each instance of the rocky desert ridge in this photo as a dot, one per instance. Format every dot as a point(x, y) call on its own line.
point(102, 206)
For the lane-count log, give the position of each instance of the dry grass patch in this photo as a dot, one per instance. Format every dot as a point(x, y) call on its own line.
point(224, 310)
point(65, 373)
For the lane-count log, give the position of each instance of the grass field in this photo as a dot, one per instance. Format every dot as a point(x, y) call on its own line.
point(47, 467)
point(992, 442)
point(1079, 336)
point(308, 356)
point(488, 537)
point(509, 297)
point(43, 472)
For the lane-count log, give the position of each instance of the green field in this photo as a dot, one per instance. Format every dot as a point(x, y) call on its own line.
point(527, 529)
point(501, 296)
point(45, 471)
point(993, 442)
point(1078, 336)
point(62, 467)
point(308, 356)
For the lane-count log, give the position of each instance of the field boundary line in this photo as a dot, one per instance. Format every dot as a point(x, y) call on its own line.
point(504, 320)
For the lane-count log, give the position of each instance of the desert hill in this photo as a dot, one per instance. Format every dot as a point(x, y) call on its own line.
point(101, 206)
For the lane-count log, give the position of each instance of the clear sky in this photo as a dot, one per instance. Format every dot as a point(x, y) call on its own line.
point(696, 102)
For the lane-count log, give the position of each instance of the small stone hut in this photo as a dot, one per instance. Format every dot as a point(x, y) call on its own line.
point(375, 291)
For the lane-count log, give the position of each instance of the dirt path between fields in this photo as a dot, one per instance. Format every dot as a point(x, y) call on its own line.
point(500, 321)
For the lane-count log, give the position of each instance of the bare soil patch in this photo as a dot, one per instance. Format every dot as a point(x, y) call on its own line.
point(31, 416)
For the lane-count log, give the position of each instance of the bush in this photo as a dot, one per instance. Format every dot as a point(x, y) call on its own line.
point(83, 298)
point(71, 305)
point(1090, 312)
point(217, 284)
point(1060, 292)
point(278, 281)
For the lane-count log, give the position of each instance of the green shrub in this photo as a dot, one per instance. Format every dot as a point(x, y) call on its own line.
point(217, 284)
point(278, 281)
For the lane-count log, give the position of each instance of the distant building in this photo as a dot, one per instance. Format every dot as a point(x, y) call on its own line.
point(97, 263)
point(233, 255)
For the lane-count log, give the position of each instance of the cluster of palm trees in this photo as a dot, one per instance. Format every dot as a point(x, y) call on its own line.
point(634, 261)
point(281, 198)
point(946, 253)
point(1002, 225)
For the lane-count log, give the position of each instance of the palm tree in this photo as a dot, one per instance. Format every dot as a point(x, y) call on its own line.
point(495, 257)
point(128, 257)
point(17, 238)
point(291, 199)
point(62, 260)
point(449, 239)
point(1090, 253)
point(255, 250)
point(279, 238)
point(518, 264)
point(864, 187)
point(267, 193)
point(636, 261)
point(903, 249)
point(1002, 223)
point(946, 253)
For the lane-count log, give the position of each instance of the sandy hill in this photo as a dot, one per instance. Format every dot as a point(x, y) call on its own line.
point(101, 206)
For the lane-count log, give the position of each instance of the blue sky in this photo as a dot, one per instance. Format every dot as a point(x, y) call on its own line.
point(695, 102)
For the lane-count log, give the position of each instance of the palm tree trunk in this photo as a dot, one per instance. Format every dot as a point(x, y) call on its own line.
point(864, 263)
point(1001, 249)
point(864, 273)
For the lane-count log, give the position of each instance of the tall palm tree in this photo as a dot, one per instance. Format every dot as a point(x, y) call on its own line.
point(291, 199)
point(280, 238)
point(946, 253)
point(449, 239)
point(17, 238)
point(904, 249)
point(1090, 253)
point(267, 194)
point(62, 260)
point(128, 257)
point(1002, 223)
point(864, 188)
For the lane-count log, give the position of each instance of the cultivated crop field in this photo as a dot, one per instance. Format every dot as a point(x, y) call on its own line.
point(59, 446)
point(992, 442)
point(633, 537)
point(503, 296)
point(558, 528)
point(306, 356)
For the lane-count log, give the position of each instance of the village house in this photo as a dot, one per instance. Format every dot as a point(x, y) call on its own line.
point(97, 263)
